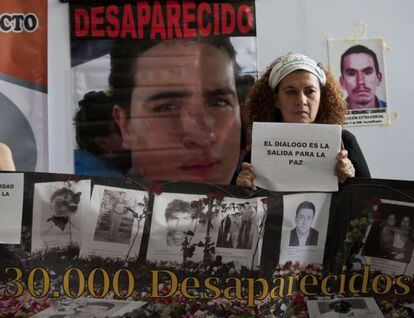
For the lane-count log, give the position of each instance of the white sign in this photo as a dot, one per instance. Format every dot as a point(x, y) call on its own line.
point(295, 157)
point(11, 207)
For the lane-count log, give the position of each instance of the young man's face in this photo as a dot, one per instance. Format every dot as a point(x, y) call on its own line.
point(360, 80)
point(405, 223)
point(304, 220)
point(178, 223)
point(391, 220)
point(60, 205)
point(185, 119)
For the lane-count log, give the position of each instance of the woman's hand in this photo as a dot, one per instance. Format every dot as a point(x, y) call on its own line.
point(246, 177)
point(6, 159)
point(344, 167)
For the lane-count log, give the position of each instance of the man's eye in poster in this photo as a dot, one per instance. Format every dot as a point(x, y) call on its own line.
point(158, 88)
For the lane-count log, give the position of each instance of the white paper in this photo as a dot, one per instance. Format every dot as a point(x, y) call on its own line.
point(362, 307)
point(313, 246)
point(11, 207)
point(235, 233)
point(114, 224)
point(295, 157)
point(89, 307)
point(57, 220)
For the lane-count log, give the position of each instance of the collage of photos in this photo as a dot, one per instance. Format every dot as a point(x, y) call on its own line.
point(58, 211)
point(114, 226)
point(305, 224)
point(187, 227)
point(389, 242)
point(360, 69)
point(108, 222)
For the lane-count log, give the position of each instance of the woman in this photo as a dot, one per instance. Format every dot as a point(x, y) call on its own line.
point(296, 89)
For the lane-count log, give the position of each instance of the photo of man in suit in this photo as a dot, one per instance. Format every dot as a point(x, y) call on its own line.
point(303, 234)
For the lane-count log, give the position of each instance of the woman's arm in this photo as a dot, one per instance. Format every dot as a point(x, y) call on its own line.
point(355, 155)
point(6, 159)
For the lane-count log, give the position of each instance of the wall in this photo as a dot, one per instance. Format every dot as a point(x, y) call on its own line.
point(282, 26)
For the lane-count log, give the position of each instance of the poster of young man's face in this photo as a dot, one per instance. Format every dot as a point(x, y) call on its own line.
point(185, 227)
point(181, 118)
point(389, 243)
point(116, 219)
point(360, 69)
point(58, 210)
point(305, 222)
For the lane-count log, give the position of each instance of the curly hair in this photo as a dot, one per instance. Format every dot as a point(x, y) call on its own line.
point(260, 103)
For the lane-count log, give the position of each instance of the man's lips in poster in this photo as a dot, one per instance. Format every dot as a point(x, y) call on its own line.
point(361, 90)
point(202, 165)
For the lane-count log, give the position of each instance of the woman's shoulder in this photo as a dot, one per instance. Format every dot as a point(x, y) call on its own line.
point(347, 135)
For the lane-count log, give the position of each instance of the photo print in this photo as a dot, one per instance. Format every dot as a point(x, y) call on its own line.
point(360, 69)
point(305, 223)
point(345, 307)
point(58, 210)
point(389, 241)
point(115, 225)
point(188, 227)
point(89, 307)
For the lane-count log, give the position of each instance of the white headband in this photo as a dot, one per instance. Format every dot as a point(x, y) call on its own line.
point(293, 62)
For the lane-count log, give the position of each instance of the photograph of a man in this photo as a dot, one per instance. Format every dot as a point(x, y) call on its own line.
point(180, 219)
point(303, 234)
point(360, 77)
point(245, 236)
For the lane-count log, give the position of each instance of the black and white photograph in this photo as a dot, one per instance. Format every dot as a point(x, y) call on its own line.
point(305, 222)
point(389, 242)
point(360, 69)
point(89, 307)
point(117, 218)
point(58, 209)
point(344, 307)
point(187, 227)
point(236, 225)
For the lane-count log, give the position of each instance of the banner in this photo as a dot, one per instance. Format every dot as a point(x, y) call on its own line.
point(97, 248)
point(158, 87)
point(23, 82)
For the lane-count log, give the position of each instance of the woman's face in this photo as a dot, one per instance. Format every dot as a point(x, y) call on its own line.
point(298, 97)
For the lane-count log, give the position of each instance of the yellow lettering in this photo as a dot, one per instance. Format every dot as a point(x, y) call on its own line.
point(155, 283)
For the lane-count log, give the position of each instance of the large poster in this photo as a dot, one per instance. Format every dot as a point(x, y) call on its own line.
point(148, 249)
point(158, 87)
point(23, 82)
point(94, 246)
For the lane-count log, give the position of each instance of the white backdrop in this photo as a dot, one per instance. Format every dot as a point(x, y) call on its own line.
point(282, 26)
